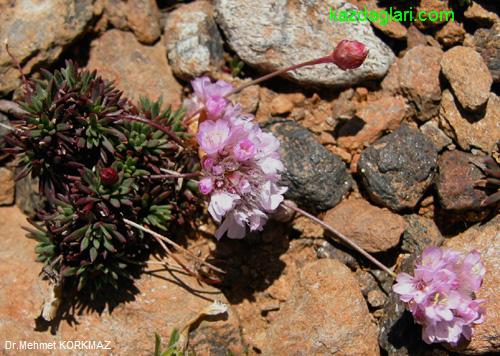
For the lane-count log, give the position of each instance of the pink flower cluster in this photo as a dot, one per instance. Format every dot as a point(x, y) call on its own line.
point(242, 164)
point(440, 294)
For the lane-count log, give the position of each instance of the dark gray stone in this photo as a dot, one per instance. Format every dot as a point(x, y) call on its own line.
point(487, 43)
point(456, 183)
point(420, 232)
point(27, 197)
point(3, 130)
point(327, 250)
point(316, 178)
point(397, 169)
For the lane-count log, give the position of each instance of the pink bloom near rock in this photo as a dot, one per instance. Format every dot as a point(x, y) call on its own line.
point(242, 165)
point(440, 295)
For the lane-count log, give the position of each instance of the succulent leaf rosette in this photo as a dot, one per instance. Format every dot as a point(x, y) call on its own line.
point(93, 164)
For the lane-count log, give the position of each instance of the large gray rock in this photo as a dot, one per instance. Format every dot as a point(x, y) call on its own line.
point(397, 169)
point(194, 44)
point(37, 32)
point(315, 177)
point(294, 31)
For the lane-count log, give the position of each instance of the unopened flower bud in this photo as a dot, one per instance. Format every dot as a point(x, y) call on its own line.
point(206, 186)
point(109, 176)
point(349, 54)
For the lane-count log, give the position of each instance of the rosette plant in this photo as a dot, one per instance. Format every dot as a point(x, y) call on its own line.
point(96, 155)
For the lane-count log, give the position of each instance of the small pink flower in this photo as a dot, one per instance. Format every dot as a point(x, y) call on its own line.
point(212, 135)
point(244, 150)
point(206, 186)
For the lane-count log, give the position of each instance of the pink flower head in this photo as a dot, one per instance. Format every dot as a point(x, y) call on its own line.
point(212, 135)
point(243, 166)
point(209, 96)
point(440, 294)
point(349, 54)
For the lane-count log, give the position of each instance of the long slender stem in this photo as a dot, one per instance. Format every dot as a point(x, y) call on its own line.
point(164, 129)
point(266, 77)
point(278, 72)
point(341, 236)
point(179, 175)
point(172, 243)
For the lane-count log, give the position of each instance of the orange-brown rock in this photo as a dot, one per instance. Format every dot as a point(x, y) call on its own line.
point(468, 131)
point(142, 17)
point(468, 75)
point(325, 314)
point(416, 77)
point(373, 228)
point(164, 301)
point(6, 186)
point(451, 34)
point(137, 69)
point(37, 32)
point(372, 119)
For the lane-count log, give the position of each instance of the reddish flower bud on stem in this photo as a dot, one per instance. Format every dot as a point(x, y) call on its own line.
point(347, 55)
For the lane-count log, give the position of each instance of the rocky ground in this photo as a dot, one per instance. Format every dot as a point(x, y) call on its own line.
point(388, 154)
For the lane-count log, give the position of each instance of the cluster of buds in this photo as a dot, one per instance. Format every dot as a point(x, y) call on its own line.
point(440, 294)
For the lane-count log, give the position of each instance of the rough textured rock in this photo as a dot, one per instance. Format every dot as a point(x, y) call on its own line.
point(37, 32)
point(27, 197)
point(416, 76)
point(451, 34)
point(468, 75)
point(290, 32)
point(435, 134)
point(420, 232)
point(371, 227)
point(194, 44)
point(456, 181)
point(485, 239)
point(469, 131)
point(398, 168)
point(3, 130)
point(309, 324)
point(372, 119)
point(138, 70)
point(142, 17)
point(315, 177)
point(479, 13)
point(430, 7)
point(487, 43)
point(161, 304)
point(325, 249)
point(6, 186)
